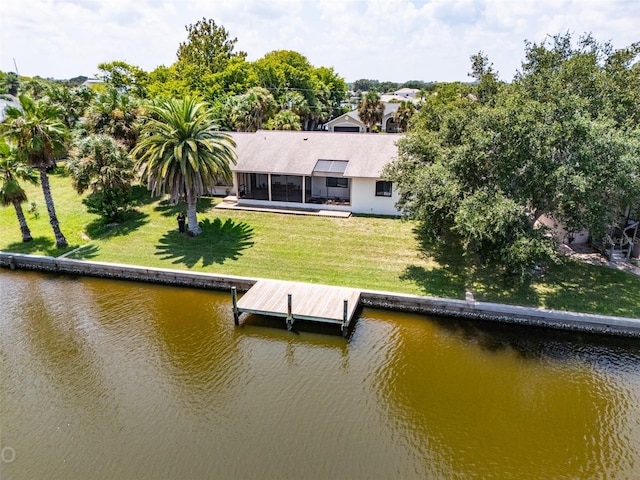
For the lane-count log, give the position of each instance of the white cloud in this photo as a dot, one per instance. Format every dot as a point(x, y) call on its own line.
point(381, 39)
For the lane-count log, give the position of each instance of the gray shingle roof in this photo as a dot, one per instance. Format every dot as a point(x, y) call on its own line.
point(296, 153)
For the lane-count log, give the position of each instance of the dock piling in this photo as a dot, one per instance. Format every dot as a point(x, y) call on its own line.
point(345, 318)
point(236, 314)
point(289, 315)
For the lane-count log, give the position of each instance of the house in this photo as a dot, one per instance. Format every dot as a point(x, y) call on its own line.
point(350, 121)
point(315, 171)
point(92, 82)
point(404, 94)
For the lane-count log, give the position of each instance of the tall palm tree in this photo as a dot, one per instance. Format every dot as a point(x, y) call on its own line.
point(371, 110)
point(36, 130)
point(405, 111)
point(12, 170)
point(181, 153)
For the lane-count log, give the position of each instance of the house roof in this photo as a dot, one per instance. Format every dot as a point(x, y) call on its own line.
point(297, 153)
point(352, 116)
point(407, 91)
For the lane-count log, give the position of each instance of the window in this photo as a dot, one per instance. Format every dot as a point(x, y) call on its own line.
point(339, 182)
point(383, 189)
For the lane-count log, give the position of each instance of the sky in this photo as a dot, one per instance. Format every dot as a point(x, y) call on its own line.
point(386, 40)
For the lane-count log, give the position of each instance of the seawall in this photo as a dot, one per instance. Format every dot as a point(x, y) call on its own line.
point(538, 317)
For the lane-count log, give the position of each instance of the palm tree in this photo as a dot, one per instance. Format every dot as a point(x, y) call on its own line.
point(284, 120)
point(405, 111)
point(10, 83)
point(72, 102)
point(115, 113)
point(101, 164)
point(181, 153)
point(37, 132)
point(371, 109)
point(13, 169)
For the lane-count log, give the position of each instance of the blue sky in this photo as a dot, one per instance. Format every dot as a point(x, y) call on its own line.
point(395, 40)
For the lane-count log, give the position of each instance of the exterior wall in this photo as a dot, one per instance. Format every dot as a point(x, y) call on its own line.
point(319, 189)
point(561, 234)
point(364, 200)
point(221, 190)
point(386, 120)
point(345, 120)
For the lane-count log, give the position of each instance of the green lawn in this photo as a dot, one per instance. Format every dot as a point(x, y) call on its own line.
point(365, 252)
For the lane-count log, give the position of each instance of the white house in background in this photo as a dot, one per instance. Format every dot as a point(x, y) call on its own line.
point(350, 121)
point(404, 94)
point(315, 171)
point(92, 82)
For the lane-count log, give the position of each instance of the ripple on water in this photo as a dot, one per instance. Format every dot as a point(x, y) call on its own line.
point(115, 379)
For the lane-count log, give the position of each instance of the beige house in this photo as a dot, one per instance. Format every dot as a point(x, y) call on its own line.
point(350, 121)
point(315, 171)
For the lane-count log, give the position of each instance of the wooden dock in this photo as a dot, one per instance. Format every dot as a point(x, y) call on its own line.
point(298, 301)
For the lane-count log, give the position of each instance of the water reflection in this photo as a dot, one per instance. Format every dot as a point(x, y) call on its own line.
point(494, 402)
point(105, 379)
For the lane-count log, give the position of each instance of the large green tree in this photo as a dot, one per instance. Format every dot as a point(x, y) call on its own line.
point(182, 154)
point(13, 170)
point(124, 77)
point(288, 74)
point(208, 46)
point(486, 170)
point(208, 50)
point(37, 130)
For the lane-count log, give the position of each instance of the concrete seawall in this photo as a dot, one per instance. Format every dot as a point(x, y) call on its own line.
point(385, 300)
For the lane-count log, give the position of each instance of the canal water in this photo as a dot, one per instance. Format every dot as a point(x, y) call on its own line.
point(106, 379)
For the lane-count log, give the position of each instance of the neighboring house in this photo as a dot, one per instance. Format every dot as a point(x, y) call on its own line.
point(350, 121)
point(92, 82)
point(347, 122)
point(315, 171)
point(403, 94)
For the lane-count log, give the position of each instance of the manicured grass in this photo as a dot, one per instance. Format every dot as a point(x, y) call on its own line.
point(366, 252)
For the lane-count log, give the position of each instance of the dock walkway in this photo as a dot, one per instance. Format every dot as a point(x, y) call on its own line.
point(299, 301)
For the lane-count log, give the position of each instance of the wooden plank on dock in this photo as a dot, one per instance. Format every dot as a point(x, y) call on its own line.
point(319, 303)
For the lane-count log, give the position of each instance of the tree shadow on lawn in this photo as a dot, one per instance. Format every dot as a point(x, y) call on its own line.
point(217, 243)
point(133, 221)
point(593, 288)
point(448, 278)
point(454, 274)
point(167, 208)
point(142, 195)
point(38, 244)
point(85, 253)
